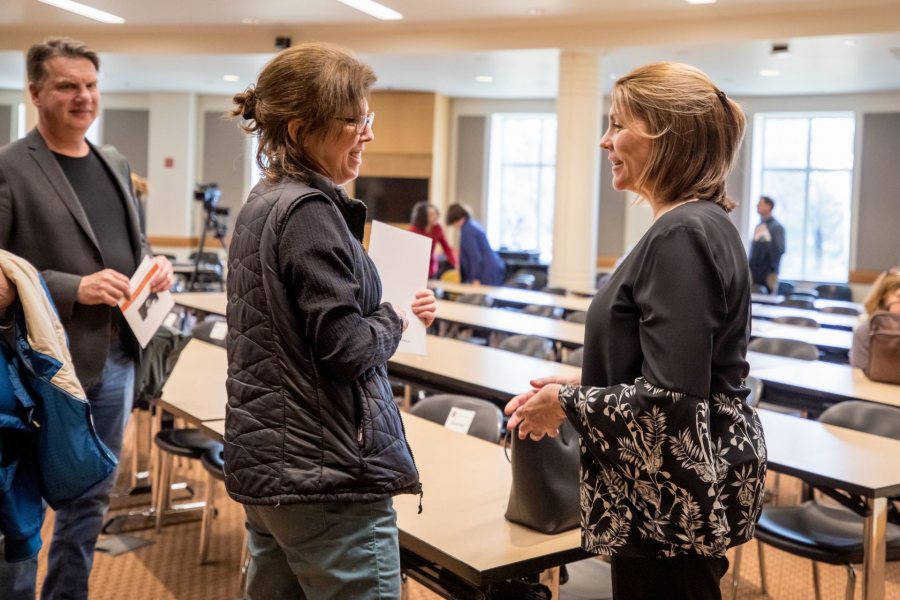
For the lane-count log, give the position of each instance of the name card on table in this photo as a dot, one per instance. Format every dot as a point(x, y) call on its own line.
point(460, 420)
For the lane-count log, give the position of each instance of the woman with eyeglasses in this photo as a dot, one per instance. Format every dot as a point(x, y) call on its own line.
point(314, 445)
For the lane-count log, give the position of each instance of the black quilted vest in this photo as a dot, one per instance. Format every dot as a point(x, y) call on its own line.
point(292, 434)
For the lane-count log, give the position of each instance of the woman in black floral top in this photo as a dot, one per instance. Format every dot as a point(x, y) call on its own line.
point(673, 459)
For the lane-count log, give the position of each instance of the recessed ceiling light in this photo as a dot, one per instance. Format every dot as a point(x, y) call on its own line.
point(374, 9)
point(769, 72)
point(85, 11)
point(537, 12)
point(700, 1)
point(484, 79)
point(250, 21)
point(230, 78)
point(849, 43)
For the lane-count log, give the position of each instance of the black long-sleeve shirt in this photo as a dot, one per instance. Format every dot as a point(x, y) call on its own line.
point(676, 459)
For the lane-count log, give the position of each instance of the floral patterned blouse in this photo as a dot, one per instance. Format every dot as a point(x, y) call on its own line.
point(673, 459)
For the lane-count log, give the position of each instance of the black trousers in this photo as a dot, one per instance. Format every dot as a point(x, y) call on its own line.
point(678, 578)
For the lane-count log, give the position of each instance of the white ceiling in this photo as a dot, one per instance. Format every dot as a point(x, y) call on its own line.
point(816, 65)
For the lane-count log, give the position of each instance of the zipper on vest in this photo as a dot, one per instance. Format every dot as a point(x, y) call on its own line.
point(360, 438)
point(415, 466)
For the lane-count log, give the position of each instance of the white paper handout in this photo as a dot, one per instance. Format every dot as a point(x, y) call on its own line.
point(402, 258)
point(146, 310)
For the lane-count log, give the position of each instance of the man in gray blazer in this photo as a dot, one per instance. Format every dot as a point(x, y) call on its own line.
point(67, 207)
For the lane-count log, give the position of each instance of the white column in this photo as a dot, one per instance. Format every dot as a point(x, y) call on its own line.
point(31, 114)
point(171, 164)
point(578, 111)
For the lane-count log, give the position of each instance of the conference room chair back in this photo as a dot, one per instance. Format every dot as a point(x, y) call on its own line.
point(755, 385)
point(557, 291)
point(575, 357)
point(539, 310)
point(793, 302)
point(522, 281)
point(487, 423)
point(784, 347)
point(840, 310)
point(829, 534)
point(785, 288)
point(801, 321)
point(211, 330)
point(835, 291)
point(577, 316)
point(530, 345)
point(476, 299)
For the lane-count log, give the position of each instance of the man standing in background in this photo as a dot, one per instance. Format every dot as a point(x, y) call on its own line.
point(767, 247)
point(67, 207)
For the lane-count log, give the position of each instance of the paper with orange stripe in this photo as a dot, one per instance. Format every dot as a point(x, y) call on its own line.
point(145, 310)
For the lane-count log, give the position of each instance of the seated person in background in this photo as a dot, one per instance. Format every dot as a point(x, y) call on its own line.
point(883, 297)
point(424, 221)
point(478, 263)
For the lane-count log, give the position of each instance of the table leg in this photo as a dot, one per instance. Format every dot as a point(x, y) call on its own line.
point(550, 578)
point(874, 534)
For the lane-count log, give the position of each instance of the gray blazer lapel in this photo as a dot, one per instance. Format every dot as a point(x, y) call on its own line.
point(47, 163)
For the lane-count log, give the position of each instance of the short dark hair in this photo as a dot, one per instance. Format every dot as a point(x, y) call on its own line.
point(768, 200)
point(52, 47)
point(457, 211)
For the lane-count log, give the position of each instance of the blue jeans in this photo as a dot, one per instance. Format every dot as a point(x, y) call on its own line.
point(78, 524)
point(323, 551)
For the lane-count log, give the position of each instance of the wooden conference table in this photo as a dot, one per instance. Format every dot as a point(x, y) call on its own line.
point(475, 490)
point(461, 532)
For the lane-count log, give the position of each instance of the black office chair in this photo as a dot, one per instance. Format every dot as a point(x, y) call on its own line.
point(210, 269)
point(530, 345)
point(756, 390)
point(835, 291)
point(840, 310)
point(471, 334)
point(833, 535)
point(785, 347)
point(522, 281)
point(785, 288)
point(575, 357)
point(486, 425)
point(476, 299)
point(801, 321)
point(798, 303)
point(577, 316)
point(551, 312)
point(804, 293)
point(557, 291)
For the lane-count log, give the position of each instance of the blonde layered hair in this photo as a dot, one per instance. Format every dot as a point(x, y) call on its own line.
point(885, 285)
point(695, 128)
point(309, 85)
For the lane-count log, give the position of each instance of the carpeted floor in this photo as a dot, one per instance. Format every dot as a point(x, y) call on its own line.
point(167, 569)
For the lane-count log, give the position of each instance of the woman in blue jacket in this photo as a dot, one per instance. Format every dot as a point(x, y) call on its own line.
point(478, 263)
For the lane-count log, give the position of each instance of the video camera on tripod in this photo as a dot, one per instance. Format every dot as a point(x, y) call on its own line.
point(210, 194)
point(215, 223)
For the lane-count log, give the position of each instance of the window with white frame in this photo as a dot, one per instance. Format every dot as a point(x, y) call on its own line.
point(522, 181)
point(805, 163)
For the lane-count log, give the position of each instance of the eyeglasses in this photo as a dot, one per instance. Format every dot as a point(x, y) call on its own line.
point(361, 123)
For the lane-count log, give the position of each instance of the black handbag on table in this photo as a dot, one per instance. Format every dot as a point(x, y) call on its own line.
point(545, 482)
